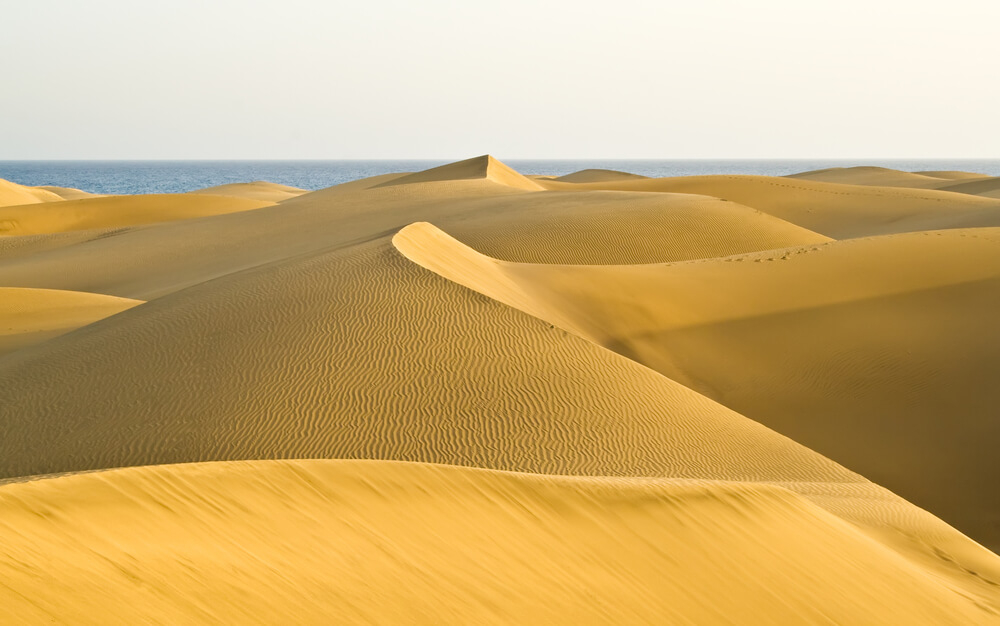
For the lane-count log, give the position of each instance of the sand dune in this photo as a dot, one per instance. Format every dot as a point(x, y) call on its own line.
point(69, 193)
point(987, 187)
point(482, 167)
point(31, 316)
point(957, 182)
point(835, 210)
point(12, 194)
point(195, 543)
point(860, 366)
point(115, 211)
point(257, 190)
point(601, 398)
point(876, 176)
point(596, 176)
point(952, 174)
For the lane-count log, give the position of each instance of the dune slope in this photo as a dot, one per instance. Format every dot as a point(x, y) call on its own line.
point(862, 366)
point(257, 190)
point(835, 210)
point(115, 211)
point(31, 316)
point(12, 194)
point(197, 543)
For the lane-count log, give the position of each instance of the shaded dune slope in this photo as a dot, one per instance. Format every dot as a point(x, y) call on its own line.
point(31, 316)
point(175, 543)
point(862, 367)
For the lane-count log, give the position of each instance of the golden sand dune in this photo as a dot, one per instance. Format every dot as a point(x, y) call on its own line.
point(359, 353)
point(859, 366)
point(957, 182)
point(952, 174)
point(987, 187)
point(596, 176)
point(69, 193)
point(257, 190)
point(482, 167)
point(378, 542)
point(12, 194)
point(835, 210)
point(875, 176)
point(333, 327)
point(114, 211)
point(30, 316)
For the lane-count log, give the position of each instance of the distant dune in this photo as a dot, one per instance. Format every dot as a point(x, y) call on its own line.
point(115, 211)
point(257, 190)
point(832, 209)
point(465, 395)
point(12, 194)
point(596, 176)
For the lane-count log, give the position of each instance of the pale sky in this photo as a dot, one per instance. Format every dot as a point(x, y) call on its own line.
point(308, 79)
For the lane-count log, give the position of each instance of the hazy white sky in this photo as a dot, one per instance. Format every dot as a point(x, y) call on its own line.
point(519, 79)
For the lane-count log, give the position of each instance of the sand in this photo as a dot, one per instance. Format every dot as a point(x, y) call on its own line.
point(325, 541)
point(833, 209)
point(12, 194)
point(115, 211)
point(257, 190)
point(469, 396)
point(32, 316)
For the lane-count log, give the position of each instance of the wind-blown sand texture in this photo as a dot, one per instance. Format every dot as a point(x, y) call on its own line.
point(525, 400)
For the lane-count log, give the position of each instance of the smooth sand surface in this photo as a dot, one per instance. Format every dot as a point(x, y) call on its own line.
point(595, 175)
point(257, 190)
point(115, 211)
point(12, 194)
point(391, 543)
point(69, 193)
point(832, 209)
point(633, 345)
point(957, 182)
point(31, 316)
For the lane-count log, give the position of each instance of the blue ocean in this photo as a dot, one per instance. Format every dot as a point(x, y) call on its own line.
point(133, 177)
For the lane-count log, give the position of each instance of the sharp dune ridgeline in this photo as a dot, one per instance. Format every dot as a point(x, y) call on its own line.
point(468, 395)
